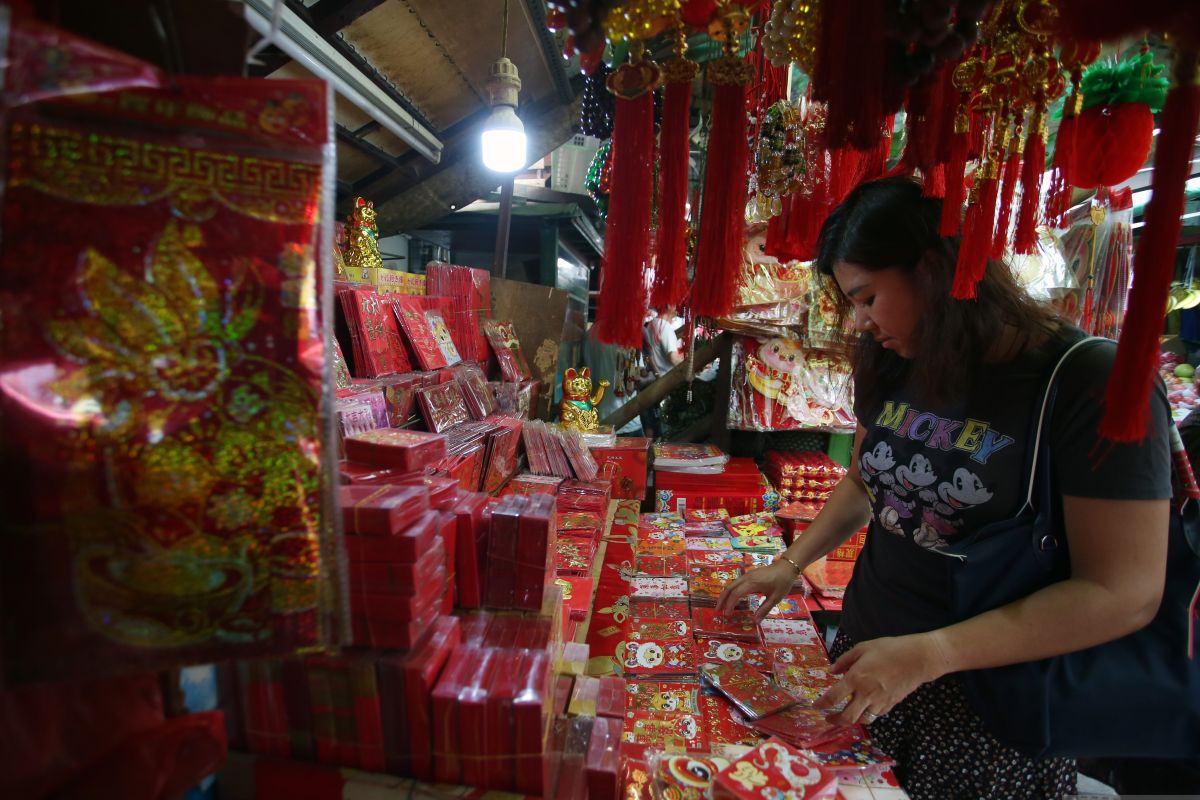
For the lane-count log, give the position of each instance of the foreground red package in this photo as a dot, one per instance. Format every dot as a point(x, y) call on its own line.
point(447, 766)
point(529, 721)
point(406, 684)
point(163, 369)
point(739, 625)
point(405, 450)
point(409, 545)
point(442, 490)
point(502, 551)
point(449, 537)
point(381, 510)
point(401, 607)
point(368, 719)
point(378, 633)
point(610, 697)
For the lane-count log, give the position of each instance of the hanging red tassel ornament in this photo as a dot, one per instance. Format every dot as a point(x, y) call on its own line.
point(955, 176)
point(622, 302)
point(670, 277)
point(975, 248)
point(1127, 396)
point(1034, 162)
point(1008, 191)
point(935, 182)
point(851, 71)
point(719, 251)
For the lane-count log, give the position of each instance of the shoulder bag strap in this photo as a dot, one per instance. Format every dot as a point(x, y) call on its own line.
point(1038, 455)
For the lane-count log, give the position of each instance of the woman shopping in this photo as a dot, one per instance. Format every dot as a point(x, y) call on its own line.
point(947, 393)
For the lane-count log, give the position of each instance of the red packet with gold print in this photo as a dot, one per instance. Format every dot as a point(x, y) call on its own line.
point(725, 724)
point(747, 688)
point(674, 732)
point(662, 697)
point(162, 355)
point(683, 777)
point(728, 651)
point(774, 769)
point(664, 609)
point(410, 311)
point(738, 624)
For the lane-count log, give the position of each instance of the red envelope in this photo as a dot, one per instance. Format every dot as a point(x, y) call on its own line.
point(747, 688)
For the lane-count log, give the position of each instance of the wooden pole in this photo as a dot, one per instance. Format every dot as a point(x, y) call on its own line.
point(656, 391)
point(503, 223)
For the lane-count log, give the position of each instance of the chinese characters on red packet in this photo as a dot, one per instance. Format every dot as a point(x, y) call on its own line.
point(503, 339)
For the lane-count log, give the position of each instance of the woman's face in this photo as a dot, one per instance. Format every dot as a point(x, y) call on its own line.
point(886, 305)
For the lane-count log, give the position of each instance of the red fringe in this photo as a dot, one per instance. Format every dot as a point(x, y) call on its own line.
point(670, 277)
point(622, 302)
point(1064, 144)
point(947, 100)
point(1012, 173)
point(976, 242)
point(1025, 239)
point(935, 182)
point(955, 171)
point(850, 79)
point(1127, 396)
point(719, 251)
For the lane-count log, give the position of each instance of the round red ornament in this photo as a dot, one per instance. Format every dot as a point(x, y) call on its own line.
point(1111, 144)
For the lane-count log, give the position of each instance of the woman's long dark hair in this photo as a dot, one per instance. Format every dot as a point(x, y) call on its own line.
point(888, 223)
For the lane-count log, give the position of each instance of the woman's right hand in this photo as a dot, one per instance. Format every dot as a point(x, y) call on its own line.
point(774, 581)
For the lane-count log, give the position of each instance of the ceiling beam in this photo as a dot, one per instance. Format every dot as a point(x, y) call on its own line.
point(551, 54)
point(330, 16)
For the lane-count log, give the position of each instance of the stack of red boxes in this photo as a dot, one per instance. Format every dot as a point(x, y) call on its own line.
point(521, 547)
point(740, 489)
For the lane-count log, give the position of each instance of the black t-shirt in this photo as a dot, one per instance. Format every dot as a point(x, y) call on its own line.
point(933, 474)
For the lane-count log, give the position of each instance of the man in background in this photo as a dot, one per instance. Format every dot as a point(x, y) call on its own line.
point(662, 351)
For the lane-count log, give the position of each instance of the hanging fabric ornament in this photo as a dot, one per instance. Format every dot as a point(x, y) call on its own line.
point(1043, 80)
point(1115, 126)
point(967, 75)
point(850, 79)
point(1008, 191)
point(670, 277)
point(718, 258)
point(1127, 396)
point(975, 248)
point(622, 301)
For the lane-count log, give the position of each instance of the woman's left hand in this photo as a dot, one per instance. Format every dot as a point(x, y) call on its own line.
point(878, 674)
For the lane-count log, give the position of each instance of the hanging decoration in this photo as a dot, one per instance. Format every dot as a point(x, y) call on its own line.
point(1075, 55)
point(1127, 397)
point(670, 277)
point(726, 181)
point(792, 33)
point(778, 160)
point(596, 111)
point(622, 303)
point(598, 180)
point(793, 234)
point(1115, 125)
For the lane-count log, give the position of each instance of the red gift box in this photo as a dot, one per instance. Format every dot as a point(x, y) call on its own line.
point(535, 550)
point(610, 697)
point(502, 551)
point(409, 451)
point(472, 717)
point(604, 759)
point(409, 545)
point(449, 537)
point(353, 472)
point(401, 607)
point(298, 706)
point(499, 730)
point(529, 718)
point(372, 632)
point(397, 577)
point(502, 631)
point(380, 510)
point(739, 489)
point(320, 691)
point(406, 685)
point(470, 548)
point(265, 708)
point(368, 720)
point(625, 465)
point(442, 491)
point(447, 766)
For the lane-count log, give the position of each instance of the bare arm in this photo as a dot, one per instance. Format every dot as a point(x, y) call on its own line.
point(1118, 563)
point(845, 512)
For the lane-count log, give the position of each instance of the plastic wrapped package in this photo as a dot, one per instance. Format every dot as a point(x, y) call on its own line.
point(442, 406)
point(582, 463)
point(572, 776)
point(502, 551)
point(442, 491)
point(395, 577)
point(739, 625)
point(470, 293)
point(682, 777)
point(480, 401)
point(400, 396)
point(603, 763)
point(471, 552)
point(528, 484)
point(408, 451)
point(747, 688)
point(502, 457)
point(406, 686)
point(407, 544)
point(411, 314)
point(441, 335)
point(472, 717)
point(780, 385)
point(499, 734)
point(447, 764)
point(503, 339)
point(172, 323)
point(381, 510)
point(529, 721)
point(535, 550)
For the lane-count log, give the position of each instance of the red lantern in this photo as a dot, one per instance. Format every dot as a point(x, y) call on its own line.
point(1111, 144)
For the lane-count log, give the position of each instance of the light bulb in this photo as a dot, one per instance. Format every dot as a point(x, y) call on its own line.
point(503, 141)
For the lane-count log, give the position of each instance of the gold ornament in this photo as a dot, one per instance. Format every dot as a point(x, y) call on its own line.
point(577, 408)
point(362, 237)
point(640, 19)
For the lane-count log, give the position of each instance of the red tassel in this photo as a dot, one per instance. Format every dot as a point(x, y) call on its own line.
point(1025, 240)
point(719, 250)
point(976, 241)
point(935, 182)
point(850, 79)
point(1012, 173)
point(622, 302)
point(670, 278)
point(955, 171)
point(1064, 144)
point(1127, 396)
